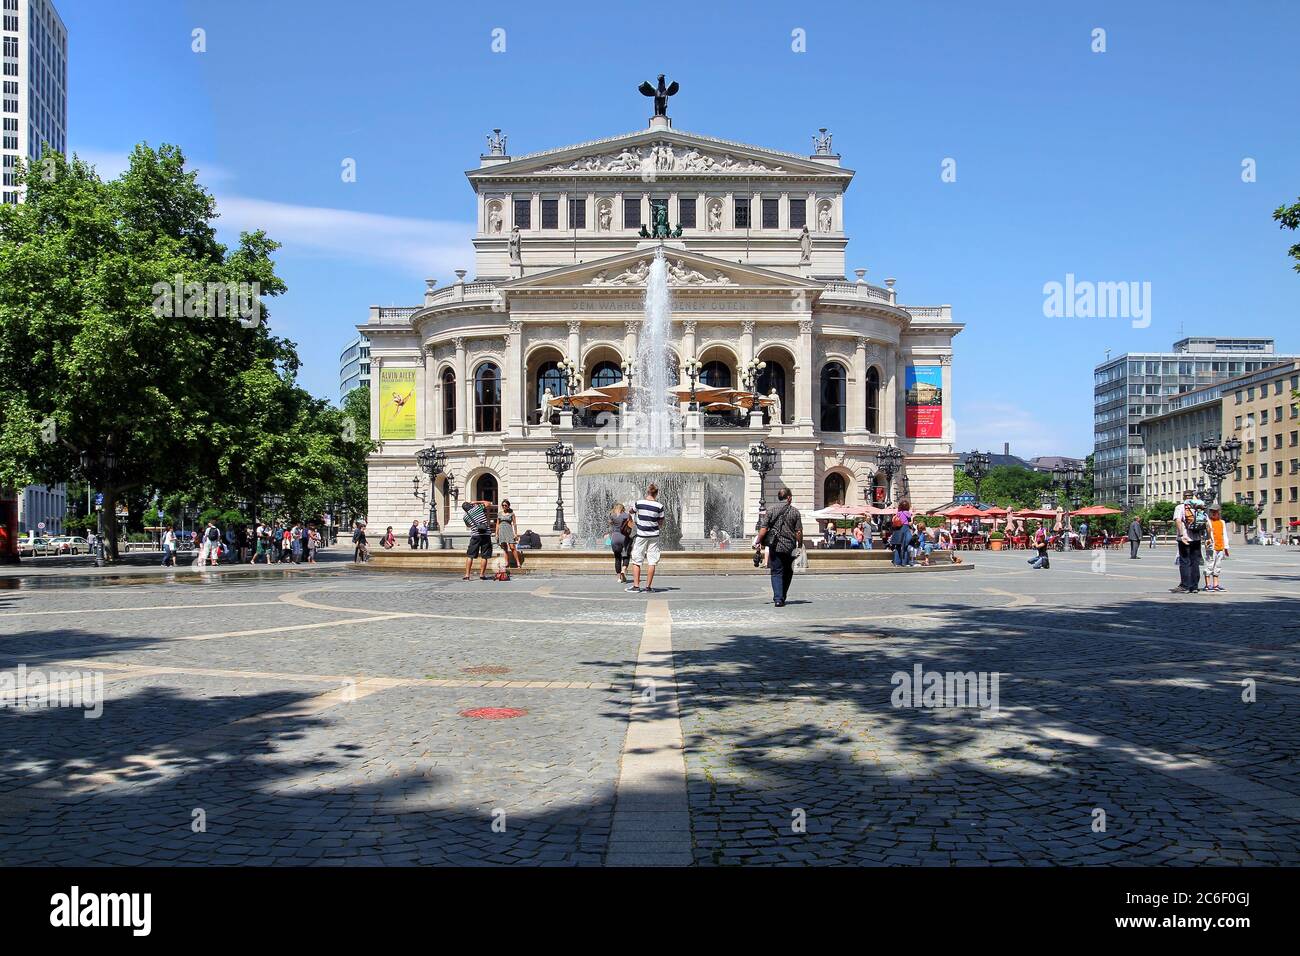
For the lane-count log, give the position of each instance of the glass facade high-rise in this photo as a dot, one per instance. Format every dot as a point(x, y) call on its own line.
point(1138, 385)
point(354, 366)
point(34, 101)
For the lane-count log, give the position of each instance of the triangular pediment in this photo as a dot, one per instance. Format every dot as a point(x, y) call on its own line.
point(661, 153)
point(686, 270)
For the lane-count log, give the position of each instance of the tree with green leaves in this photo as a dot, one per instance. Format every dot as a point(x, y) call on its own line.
point(1288, 217)
point(128, 332)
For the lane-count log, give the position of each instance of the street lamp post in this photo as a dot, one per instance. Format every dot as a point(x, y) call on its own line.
point(762, 458)
point(1219, 459)
point(692, 370)
point(976, 469)
point(432, 462)
point(1065, 481)
point(572, 374)
point(559, 458)
point(104, 461)
point(749, 378)
point(890, 459)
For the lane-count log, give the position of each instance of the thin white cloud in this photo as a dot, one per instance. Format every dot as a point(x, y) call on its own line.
point(988, 425)
point(422, 247)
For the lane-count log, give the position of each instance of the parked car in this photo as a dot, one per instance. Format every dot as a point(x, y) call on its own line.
point(69, 544)
point(33, 546)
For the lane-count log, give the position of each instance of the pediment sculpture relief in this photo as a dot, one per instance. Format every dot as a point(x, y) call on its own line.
point(678, 274)
point(662, 158)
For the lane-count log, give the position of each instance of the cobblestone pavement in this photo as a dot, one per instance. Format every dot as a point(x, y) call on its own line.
point(320, 716)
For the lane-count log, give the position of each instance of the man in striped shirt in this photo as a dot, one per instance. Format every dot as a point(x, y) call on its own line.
point(479, 523)
point(648, 515)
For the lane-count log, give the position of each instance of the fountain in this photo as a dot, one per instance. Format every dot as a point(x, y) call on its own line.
point(699, 494)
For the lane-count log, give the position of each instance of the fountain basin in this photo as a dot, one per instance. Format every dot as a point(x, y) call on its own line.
point(702, 498)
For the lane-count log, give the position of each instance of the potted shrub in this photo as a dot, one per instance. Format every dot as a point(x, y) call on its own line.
point(995, 541)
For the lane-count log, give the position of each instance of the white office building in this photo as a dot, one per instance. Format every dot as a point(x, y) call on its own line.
point(34, 105)
point(354, 366)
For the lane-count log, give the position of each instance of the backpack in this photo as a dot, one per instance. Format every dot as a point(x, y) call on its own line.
point(214, 534)
point(897, 521)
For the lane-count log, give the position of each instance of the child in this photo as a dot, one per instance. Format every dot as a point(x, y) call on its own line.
point(1216, 547)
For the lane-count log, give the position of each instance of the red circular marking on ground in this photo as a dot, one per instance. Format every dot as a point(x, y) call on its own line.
point(493, 713)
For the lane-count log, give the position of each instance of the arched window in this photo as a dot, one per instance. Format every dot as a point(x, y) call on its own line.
point(715, 374)
point(833, 490)
point(873, 400)
point(834, 381)
point(605, 373)
point(448, 401)
point(485, 488)
point(772, 379)
point(487, 398)
point(549, 376)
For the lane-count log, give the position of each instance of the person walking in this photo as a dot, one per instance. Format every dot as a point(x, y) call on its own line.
point(1134, 538)
point(648, 518)
point(1151, 534)
point(620, 526)
point(413, 534)
point(262, 542)
point(169, 548)
point(782, 529)
point(1216, 544)
point(1187, 528)
point(479, 523)
point(361, 550)
point(506, 518)
point(211, 545)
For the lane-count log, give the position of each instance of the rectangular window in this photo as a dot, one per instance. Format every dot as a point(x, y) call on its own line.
point(742, 212)
point(524, 213)
point(550, 214)
point(771, 213)
point(577, 214)
point(631, 212)
point(686, 212)
point(798, 213)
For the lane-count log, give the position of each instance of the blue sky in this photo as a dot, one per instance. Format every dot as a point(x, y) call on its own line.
point(1117, 166)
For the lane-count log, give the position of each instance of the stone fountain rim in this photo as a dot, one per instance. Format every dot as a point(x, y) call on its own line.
point(660, 465)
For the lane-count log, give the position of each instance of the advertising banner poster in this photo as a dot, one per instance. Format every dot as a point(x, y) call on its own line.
point(396, 404)
point(925, 401)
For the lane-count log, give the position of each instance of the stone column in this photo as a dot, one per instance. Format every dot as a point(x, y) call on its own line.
point(430, 394)
point(688, 343)
point(464, 386)
point(805, 377)
point(515, 382)
point(746, 345)
point(630, 328)
point(857, 418)
point(575, 344)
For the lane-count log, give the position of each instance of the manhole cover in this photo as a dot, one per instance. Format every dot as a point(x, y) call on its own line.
point(485, 669)
point(493, 713)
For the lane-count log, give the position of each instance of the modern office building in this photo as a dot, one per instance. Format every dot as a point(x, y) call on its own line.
point(1172, 444)
point(39, 505)
point(34, 105)
point(1266, 418)
point(1142, 385)
point(354, 366)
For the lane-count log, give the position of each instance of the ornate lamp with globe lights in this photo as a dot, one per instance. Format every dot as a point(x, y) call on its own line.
point(559, 458)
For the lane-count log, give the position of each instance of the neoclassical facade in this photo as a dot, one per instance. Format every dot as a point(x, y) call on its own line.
point(757, 272)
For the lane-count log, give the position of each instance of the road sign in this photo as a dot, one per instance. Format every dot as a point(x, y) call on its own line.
point(99, 499)
point(40, 526)
point(965, 498)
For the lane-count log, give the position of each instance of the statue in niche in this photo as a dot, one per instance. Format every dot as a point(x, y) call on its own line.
point(715, 216)
point(824, 217)
point(605, 216)
point(494, 219)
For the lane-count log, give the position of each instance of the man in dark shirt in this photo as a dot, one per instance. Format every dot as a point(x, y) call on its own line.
point(782, 529)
